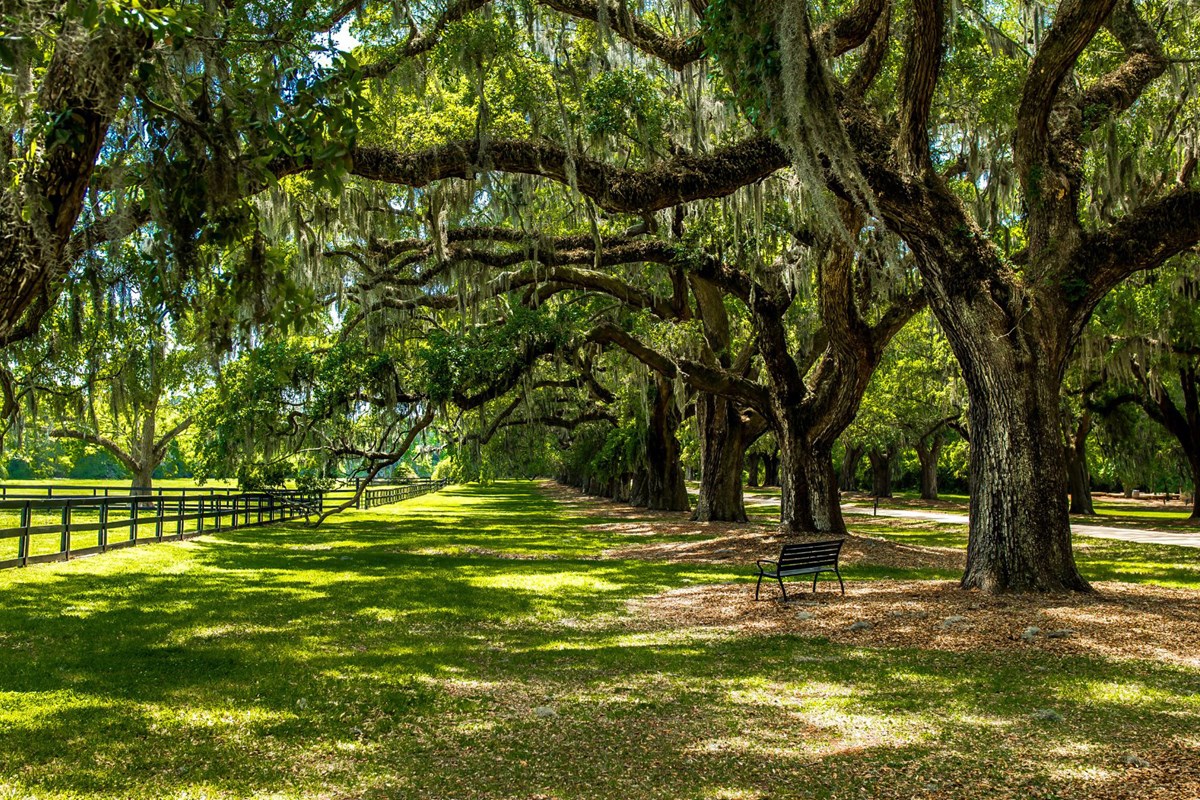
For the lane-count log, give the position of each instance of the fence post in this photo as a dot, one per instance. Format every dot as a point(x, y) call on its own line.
point(200, 517)
point(64, 538)
point(182, 513)
point(158, 521)
point(133, 516)
point(102, 534)
point(23, 542)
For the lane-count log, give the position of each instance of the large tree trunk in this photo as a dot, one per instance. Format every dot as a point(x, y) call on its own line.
point(665, 486)
point(753, 463)
point(771, 470)
point(850, 458)
point(809, 498)
point(928, 450)
point(1020, 537)
point(1079, 478)
point(723, 437)
point(881, 472)
point(145, 456)
point(143, 479)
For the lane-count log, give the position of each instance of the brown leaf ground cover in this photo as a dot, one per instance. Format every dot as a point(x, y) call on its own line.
point(1121, 622)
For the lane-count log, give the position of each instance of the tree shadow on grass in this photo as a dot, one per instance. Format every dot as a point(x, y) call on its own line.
point(352, 662)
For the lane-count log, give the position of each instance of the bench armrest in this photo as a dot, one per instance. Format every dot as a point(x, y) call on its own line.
point(762, 561)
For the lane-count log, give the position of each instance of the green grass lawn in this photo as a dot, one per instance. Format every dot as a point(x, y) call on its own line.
point(469, 644)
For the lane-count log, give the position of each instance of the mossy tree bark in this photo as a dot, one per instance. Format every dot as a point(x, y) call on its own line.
point(665, 487)
point(726, 427)
point(881, 471)
point(929, 449)
point(723, 441)
point(1011, 329)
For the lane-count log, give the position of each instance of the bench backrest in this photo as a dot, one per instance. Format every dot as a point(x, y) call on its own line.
point(810, 554)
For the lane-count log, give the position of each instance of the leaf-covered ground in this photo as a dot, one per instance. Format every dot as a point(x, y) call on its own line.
point(500, 643)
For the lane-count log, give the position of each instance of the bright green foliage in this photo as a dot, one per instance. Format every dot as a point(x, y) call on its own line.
point(1141, 358)
point(915, 391)
point(115, 369)
point(482, 356)
point(625, 104)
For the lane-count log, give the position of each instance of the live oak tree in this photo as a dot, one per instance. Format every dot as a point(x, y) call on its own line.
point(1012, 315)
point(915, 400)
point(113, 369)
point(1148, 357)
point(1020, 202)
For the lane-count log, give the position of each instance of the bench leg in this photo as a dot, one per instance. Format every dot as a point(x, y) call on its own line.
point(815, 582)
point(782, 589)
point(839, 574)
point(758, 585)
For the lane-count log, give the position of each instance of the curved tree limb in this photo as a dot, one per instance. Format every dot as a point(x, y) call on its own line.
point(614, 189)
point(1144, 62)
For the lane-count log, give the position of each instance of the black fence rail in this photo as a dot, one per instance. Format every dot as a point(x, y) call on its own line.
point(401, 489)
point(24, 491)
point(45, 527)
point(52, 528)
point(394, 493)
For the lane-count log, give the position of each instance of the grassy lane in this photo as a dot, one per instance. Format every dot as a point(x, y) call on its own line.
point(470, 644)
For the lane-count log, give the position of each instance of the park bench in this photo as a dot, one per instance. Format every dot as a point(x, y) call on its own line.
point(806, 558)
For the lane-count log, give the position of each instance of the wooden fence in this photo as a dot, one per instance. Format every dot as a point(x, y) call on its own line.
point(55, 525)
point(373, 495)
point(25, 491)
point(50, 527)
point(394, 493)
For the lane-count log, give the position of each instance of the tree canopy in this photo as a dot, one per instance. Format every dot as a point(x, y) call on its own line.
point(609, 241)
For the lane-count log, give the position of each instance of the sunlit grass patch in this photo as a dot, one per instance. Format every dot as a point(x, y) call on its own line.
point(476, 643)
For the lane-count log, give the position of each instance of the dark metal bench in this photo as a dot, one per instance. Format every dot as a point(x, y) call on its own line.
point(807, 558)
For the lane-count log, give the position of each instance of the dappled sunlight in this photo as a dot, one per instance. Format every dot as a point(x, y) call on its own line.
point(351, 657)
point(1131, 694)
